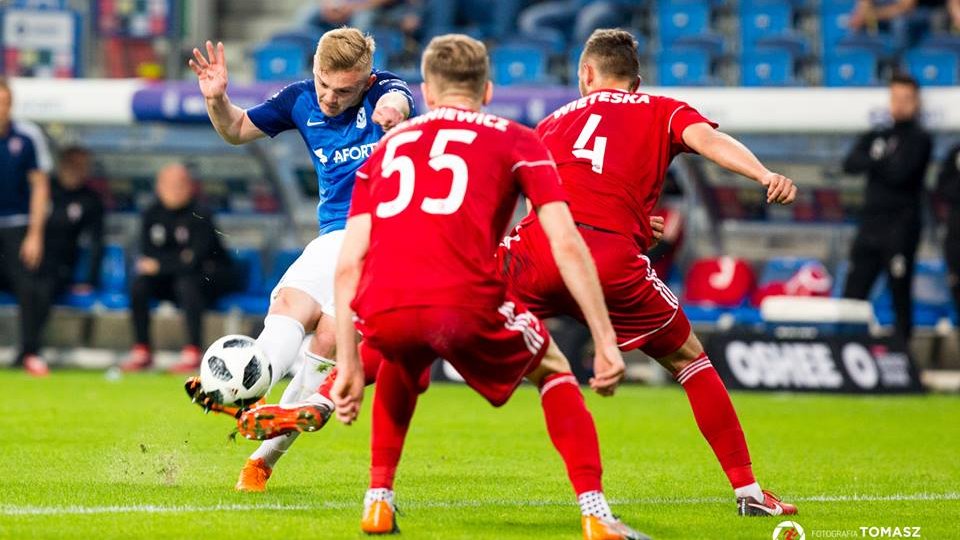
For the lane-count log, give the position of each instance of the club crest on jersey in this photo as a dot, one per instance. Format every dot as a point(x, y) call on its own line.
point(361, 118)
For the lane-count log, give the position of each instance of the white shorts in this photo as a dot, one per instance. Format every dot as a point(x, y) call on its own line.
point(314, 269)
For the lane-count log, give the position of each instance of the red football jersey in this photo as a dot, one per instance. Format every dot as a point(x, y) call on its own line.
point(441, 189)
point(612, 149)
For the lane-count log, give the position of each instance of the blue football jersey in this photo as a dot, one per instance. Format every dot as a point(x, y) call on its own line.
point(338, 145)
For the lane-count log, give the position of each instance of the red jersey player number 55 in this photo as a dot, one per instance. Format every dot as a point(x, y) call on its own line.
point(439, 160)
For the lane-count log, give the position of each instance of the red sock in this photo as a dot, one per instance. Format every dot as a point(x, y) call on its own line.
point(370, 358)
point(393, 405)
point(717, 419)
point(572, 431)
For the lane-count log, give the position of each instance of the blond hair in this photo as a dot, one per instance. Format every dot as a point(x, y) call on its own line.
point(344, 49)
point(614, 53)
point(456, 61)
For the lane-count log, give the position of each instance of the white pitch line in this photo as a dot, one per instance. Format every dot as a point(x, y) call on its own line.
point(12, 510)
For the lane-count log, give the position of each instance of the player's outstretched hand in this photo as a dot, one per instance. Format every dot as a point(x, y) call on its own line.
point(211, 70)
point(780, 189)
point(347, 392)
point(608, 369)
point(387, 117)
point(657, 226)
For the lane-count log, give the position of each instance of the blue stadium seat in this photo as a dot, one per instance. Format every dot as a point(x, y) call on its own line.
point(279, 61)
point(686, 23)
point(7, 299)
point(682, 67)
point(933, 67)
point(883, 44)
point(834, 16)
point(948, 42)
point(767, 67)
point(114, 278)
point(250, 298)
point(850, 67)
point(682, 18)
point(519, 64)
point(766, 18)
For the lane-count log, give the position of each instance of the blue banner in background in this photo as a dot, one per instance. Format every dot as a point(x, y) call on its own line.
point(182, 102)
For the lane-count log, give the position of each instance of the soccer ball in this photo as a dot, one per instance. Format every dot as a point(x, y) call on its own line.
point(235, 371)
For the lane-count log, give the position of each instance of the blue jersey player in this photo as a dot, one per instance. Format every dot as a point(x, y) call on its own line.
point(340, 114)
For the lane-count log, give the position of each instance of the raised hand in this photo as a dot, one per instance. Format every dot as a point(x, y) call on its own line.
point(211, 70)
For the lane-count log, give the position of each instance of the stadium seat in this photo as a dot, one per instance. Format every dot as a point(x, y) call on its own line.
point(681, 18)
point(686, 24)
point(7, 299)
point(767, 67)
point(279, 61)
point(933, 67)
point(519, 64)
point(113, 278)
point(762, 19)
point(834, 16)
point(250, 298)
point(883, 45)
point(850, 67)
point(931, 293)
point(722, 282)
point(682, 67)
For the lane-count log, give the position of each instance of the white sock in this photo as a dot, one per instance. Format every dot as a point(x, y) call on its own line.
point(280, 341)
point(593, 503)
point(751, 490)
point(313, 372)
point(379, 494)
point(270, 451)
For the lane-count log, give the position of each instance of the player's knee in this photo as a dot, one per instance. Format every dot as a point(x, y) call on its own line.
point(297, 305)
point(323, 343)
point(682, 357)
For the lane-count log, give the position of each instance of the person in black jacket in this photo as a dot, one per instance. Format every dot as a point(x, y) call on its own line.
point(182, 260)
point(895, 161)
point(948, 184)
point(76, 210)
point(24, 196)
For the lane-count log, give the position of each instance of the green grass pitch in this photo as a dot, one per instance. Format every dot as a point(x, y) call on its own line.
point(84, 457)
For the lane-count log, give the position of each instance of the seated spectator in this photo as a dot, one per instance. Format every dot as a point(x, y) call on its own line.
point(569, 21)
point(182, 260)
point(871, 15)
point(76, 212)
point(492, 19)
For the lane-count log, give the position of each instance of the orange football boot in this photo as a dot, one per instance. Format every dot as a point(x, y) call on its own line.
point(254, 476)
point(379, 517)
point(598, 528)
point(269, 421)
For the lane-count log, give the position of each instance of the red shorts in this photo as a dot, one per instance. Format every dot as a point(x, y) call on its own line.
point(644, 312)
point(492, 349)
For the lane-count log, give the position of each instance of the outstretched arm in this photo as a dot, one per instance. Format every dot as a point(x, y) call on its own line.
point(732, 155)
point(580, 276)
point(230, 121)
point(347, 391)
